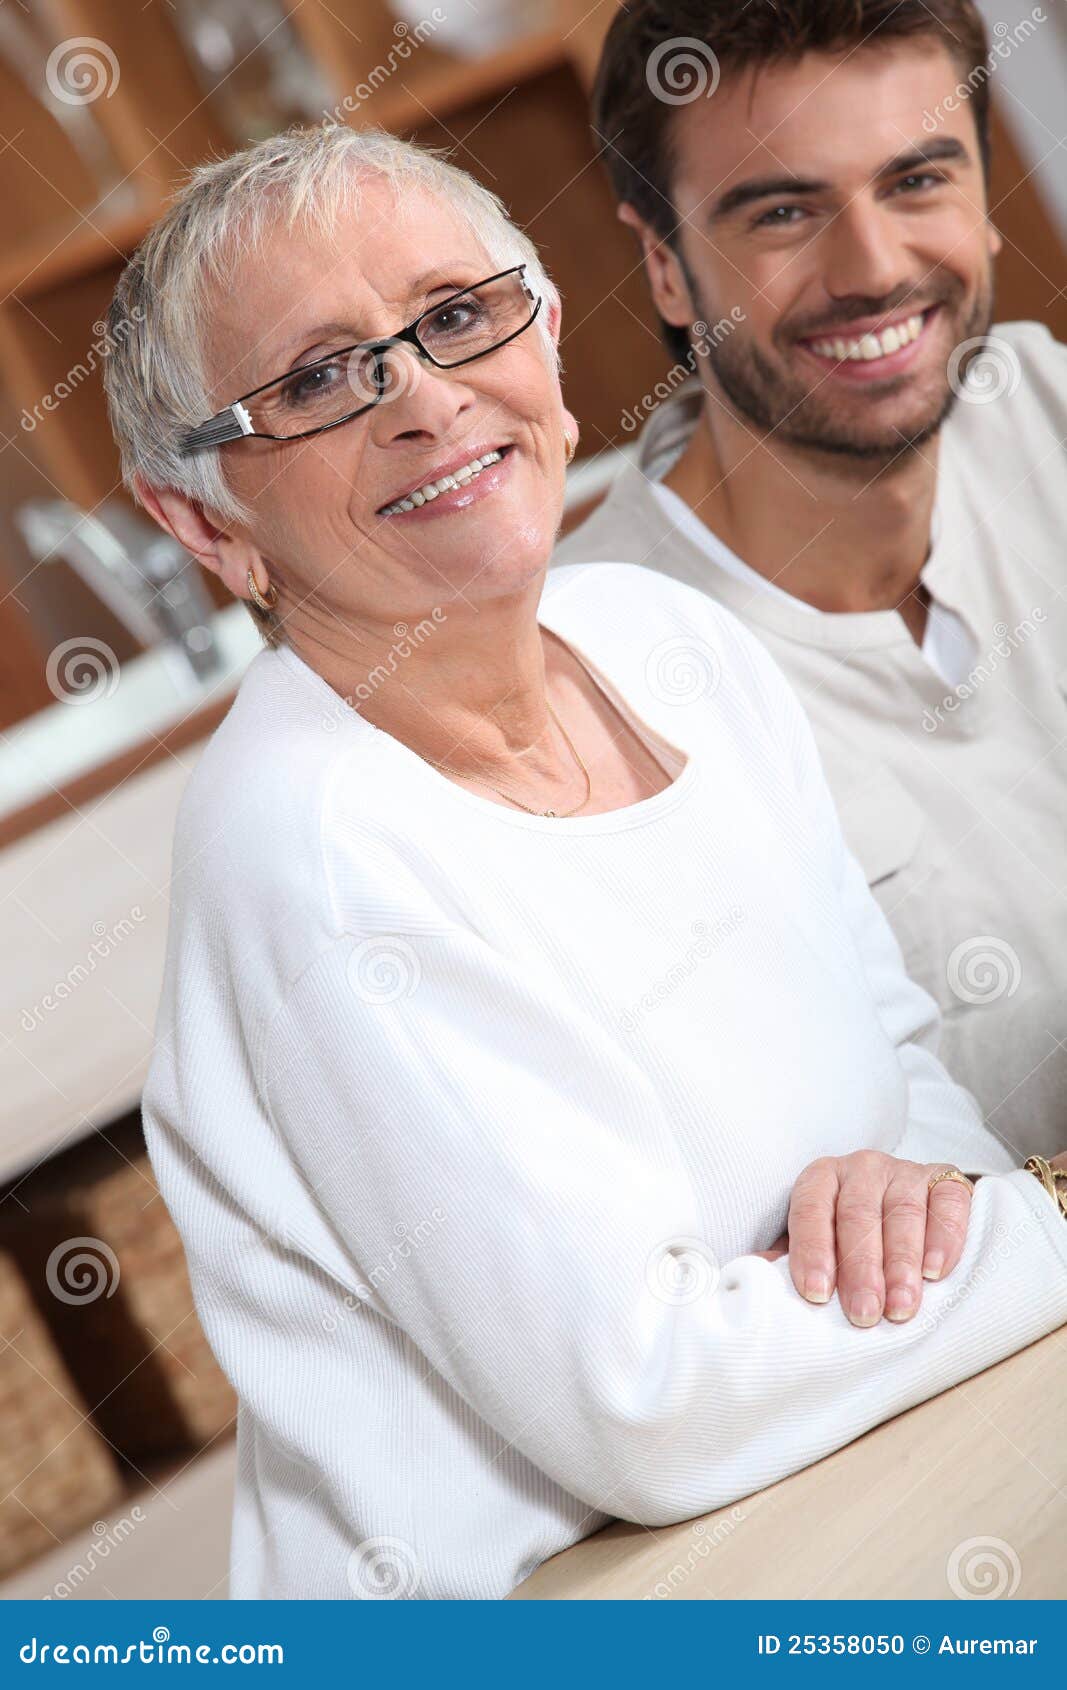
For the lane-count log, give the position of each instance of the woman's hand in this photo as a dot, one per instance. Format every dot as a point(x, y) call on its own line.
point(870, 1223)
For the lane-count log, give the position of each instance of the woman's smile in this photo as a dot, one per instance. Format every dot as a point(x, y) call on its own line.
point(459, 484)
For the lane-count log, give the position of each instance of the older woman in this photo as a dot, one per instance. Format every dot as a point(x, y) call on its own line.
point(519, 986)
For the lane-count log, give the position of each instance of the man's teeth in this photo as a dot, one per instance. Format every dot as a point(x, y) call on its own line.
point(458, 478)
point(870, 346)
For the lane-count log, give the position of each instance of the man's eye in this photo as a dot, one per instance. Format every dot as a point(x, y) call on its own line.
point(780, 216)
point(920, 179)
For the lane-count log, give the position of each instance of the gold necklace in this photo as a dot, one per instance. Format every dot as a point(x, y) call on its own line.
point(530, 809)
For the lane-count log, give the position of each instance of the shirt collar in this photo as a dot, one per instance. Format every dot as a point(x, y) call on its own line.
point(665, 434)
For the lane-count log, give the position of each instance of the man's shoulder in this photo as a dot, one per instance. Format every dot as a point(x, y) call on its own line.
point(1012, 389)
point(624, 525)
point(1029, 339)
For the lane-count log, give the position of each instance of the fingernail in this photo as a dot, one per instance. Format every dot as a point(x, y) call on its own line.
point(934, 1265)
point(900, 1303)
point(817, 1288)
point(865, 1310)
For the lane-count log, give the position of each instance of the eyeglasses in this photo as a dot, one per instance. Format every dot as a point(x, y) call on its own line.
point(314, 397)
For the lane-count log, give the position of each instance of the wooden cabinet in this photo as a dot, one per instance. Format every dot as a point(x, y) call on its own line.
point(516, 118)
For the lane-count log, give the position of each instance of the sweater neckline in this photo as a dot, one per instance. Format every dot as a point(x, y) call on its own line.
point(638, 814)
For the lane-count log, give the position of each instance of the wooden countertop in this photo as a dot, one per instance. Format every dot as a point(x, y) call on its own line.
point(966, 1494)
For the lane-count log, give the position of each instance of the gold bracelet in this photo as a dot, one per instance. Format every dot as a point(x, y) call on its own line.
point(1053, 1179)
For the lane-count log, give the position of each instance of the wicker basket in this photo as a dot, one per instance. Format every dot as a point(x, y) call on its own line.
point(56, 1472)
point(105, 1263)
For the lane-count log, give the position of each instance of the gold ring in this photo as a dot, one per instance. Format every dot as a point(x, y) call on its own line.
point(950, 1173)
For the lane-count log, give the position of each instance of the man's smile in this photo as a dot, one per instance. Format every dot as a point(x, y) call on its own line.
point(869, 353)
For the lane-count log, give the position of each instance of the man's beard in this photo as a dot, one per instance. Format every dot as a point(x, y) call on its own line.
point(821, 417)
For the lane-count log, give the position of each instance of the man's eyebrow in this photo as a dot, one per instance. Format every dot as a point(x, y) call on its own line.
point(760, 188)
point(783, 184)
point(946, 147)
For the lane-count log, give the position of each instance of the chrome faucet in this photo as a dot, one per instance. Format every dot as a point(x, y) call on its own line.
point(146, 579)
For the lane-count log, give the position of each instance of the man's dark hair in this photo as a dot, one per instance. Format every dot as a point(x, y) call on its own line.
point(632, 127)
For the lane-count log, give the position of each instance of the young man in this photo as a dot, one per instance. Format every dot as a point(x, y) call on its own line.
point(865, 470)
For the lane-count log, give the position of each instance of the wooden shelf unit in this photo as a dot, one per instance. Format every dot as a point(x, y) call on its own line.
point(516, 118)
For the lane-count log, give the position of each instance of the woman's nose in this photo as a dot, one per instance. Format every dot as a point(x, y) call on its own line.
point(417, 398)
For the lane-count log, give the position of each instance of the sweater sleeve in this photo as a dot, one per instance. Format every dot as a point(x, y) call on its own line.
point(944, 1122)
point(501, 1184)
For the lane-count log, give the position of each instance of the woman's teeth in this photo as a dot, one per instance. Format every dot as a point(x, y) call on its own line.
point(867, 347)
point(458, 478)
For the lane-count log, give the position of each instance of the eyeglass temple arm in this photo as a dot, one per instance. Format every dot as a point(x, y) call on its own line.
point(233, 423)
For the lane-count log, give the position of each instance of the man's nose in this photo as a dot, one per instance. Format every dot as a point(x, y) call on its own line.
point(866, 254)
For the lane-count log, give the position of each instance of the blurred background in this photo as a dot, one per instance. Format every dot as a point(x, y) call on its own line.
point(119, 657)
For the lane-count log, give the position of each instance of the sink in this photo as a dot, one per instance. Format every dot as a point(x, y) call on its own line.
point(145, 696)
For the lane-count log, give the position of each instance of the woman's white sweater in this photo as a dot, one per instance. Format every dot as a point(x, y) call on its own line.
point(470, 1121)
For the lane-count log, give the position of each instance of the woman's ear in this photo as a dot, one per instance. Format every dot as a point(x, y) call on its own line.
point(555, 318)
point(229, 556)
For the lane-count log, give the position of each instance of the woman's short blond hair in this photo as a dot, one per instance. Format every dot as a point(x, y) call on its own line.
point(155, 378)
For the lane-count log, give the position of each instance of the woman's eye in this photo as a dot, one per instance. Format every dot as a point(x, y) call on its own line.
point(310, 384)
point(454, 318)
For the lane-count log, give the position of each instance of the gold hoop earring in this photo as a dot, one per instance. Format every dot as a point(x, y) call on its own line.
point(570, 448)
point(265, 601)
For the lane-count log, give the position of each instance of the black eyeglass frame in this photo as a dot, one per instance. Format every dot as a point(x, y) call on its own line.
point(234, 423)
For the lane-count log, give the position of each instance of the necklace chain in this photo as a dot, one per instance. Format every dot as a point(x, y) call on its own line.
point(531, 809)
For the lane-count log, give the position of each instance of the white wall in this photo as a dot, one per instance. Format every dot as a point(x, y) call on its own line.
point(1029, 84)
